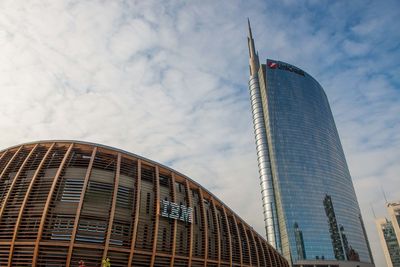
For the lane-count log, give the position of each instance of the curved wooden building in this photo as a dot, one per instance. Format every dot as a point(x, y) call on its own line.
point(67, 201)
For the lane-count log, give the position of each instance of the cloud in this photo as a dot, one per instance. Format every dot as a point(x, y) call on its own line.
point(355, 48)
point(168, 81)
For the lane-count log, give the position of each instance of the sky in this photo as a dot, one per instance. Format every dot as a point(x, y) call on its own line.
point(167, 80)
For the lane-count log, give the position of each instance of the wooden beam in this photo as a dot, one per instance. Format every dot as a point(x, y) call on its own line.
point(190, 204)
point(248, 244)
point(267, 252)
point(25, 200)
point(157, 202)
point(80, 205)
point(9, 162)
point(273, 255)
point(229, 235)
point(3, 154)
point(205, 226)
point(113, 205)
point(282, 263)
point(239, 239)
point(262, 251)
point(214, 208)
point(175, 229)
point(255, 247)
point(137, 207)
point(14, 181)
point(47, 205)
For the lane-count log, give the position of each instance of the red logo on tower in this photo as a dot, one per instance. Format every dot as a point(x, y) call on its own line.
point(272, 65)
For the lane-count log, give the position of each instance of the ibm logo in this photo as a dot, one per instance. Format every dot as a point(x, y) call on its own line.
point(175, 211)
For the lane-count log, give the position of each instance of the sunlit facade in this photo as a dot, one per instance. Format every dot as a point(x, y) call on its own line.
point(389, 234)
point(65, 202)
point(310, 206)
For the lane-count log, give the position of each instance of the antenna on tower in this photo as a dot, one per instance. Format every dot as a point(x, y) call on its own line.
point(384, 195)
point(372, 208)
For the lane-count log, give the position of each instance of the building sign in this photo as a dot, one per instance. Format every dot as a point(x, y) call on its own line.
point(175, 211)
point(282, 66)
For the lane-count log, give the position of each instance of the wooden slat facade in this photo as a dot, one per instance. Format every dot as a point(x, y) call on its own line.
point(62, 202)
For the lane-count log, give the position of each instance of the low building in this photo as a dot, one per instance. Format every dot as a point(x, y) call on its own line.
point(67, 202)
point(389, 234)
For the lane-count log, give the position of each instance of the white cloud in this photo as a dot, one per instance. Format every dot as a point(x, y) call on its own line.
point(355, 48)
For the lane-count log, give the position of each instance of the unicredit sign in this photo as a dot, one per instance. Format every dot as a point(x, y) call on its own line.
point(282, 66)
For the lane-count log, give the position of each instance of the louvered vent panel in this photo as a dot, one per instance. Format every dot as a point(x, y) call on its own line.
point(245, 248)
point(91, 257)
point(212, 231)
point(52, 256)
point(37, 198)
point(122, 227)
point(63, 208)
point(183, 229)
point(10, 171)
point(118, 259)
point(224, 234)
point(181, 263)
point(147, 210)
point(140, 260)
point(93, 222)
point(4, 252)
point(162, 261)
point(253, 248)
point(165, 227)
point(18, 192)
point(22, 256)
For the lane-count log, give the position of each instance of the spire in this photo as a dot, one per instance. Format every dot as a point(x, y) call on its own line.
point(253, 55)
point(250, 34)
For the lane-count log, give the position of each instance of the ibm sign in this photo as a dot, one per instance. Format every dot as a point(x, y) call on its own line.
point(175, 211)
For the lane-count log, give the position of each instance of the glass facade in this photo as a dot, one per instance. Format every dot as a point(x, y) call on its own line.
point(317, 210)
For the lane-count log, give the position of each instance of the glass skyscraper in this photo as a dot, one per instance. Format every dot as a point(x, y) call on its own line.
point(310, 206)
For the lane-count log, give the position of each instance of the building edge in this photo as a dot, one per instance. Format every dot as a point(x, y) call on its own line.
point(264, 163)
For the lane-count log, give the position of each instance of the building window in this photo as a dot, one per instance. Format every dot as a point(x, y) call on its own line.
point(99, 192)
point(72, 190)
point(92, 231)
point(62, 228)
point(148, 203)
point(124, 197)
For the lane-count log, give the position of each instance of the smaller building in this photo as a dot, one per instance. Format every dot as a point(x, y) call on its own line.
point(394, 215)
point(331, 263)
point(389, 234)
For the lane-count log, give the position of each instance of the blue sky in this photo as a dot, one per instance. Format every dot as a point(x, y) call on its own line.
point(168, 81)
